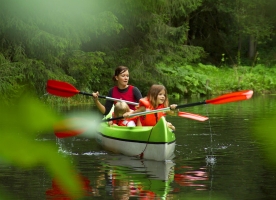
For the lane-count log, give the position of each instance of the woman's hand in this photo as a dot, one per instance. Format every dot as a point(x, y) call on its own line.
point(95, 95)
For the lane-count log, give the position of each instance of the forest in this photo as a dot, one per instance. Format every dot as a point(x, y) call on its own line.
point(193, 47)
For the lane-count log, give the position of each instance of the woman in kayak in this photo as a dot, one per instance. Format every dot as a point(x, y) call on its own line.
point(120, 108)
point(121, 91)
point(157, 98)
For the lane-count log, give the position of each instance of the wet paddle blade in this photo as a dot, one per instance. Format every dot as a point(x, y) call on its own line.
point(68, 133)
point(231, 97)
point(192, 116)
point(61, 89)
point(68, 128)
point(86, 126)
point(78, 125)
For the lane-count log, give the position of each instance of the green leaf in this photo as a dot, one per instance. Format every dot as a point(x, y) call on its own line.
point(20, 121)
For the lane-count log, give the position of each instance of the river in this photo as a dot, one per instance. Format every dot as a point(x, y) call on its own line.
point(221, 158)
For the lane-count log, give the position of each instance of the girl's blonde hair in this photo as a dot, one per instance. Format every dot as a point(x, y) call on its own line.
point(153, 93)
point(120, 108)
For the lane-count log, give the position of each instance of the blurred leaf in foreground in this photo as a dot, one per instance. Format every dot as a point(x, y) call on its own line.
point(20, 121)
point(265, 131)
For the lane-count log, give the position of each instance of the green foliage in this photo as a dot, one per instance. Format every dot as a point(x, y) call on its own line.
point(21, 121)
point(9, 77)
point(259, 78)
point(84, 67)
point(166, 33)
point(26, 72)
point(37, 37)
point(186, 80)
point(83, 42)
point(225, 26)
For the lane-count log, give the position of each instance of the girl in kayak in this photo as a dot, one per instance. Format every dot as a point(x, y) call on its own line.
point(156, 98)
point(120, 108)
point(122, 90)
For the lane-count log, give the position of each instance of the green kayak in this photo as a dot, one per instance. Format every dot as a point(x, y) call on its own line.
point(147, 142)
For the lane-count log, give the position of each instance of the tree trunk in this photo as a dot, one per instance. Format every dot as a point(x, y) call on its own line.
point(187, 31)
point(252, 49)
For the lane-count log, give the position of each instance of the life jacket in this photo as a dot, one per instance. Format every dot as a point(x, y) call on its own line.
point(128, 95)
point(124, 122)
point(150, 119)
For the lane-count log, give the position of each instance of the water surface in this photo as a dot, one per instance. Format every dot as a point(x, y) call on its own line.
point(217, 159)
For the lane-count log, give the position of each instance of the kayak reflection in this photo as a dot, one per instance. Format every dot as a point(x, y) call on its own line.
point(129, 177)
point(58, 193)
point(123, 177)
point(190, 177)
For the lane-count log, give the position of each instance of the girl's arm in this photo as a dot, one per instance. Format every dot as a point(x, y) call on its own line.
point(138, 123)
point(140, 109)
point(169, 124)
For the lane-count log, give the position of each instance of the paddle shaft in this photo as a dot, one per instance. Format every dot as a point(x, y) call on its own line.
point(64, 89)
point(66, 127)
point(227, 98)
point(110, 98)
point(191, 104)
point(156, 111)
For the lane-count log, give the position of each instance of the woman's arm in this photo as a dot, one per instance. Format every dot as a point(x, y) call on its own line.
point(104, 109)
point(97, 102)
point(137, 94)
point(108, 104)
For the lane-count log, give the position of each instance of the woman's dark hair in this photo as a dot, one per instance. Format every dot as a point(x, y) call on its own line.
point(119, 70)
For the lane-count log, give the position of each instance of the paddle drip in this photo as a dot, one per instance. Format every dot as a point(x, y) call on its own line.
point(210, 159)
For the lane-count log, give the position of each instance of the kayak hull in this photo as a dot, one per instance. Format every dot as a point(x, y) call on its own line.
point(148, 142)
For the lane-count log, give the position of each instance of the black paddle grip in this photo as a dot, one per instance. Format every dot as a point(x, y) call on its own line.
point(191, 104)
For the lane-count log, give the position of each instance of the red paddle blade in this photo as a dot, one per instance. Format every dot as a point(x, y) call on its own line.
point(232, 97)
point(192, 116)
point(84, 125)
point(60, 88)
point(68, 133)
point(68, 128)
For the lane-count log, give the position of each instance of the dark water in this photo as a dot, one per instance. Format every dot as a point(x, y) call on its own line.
point(217, 159)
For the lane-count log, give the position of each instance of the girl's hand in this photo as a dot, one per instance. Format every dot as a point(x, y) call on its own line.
point(170, 126)
point(140, 109)
point(127, 114)
point(173, 106)
point(173, 112)
point(110, 123)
